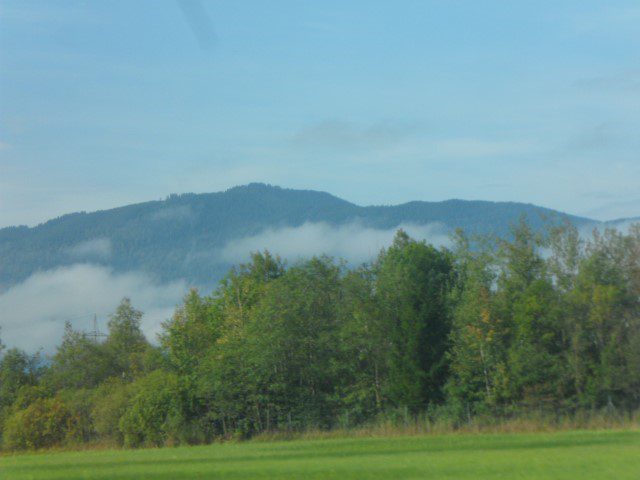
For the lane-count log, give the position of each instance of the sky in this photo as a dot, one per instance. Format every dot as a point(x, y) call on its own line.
point(106, 103)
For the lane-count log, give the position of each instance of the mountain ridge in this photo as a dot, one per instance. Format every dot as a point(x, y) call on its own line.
point(238, 188)
point(178, 237)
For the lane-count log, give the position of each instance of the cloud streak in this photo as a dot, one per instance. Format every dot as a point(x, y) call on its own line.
point(97, 248)
point(478, 147)
point(353, 241)
point(341, 135)
point(32, 313)
point(172, 214)
point(627, 82)
point(610, 20)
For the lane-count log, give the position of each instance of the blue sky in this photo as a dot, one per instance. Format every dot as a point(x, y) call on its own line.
point(104, 103)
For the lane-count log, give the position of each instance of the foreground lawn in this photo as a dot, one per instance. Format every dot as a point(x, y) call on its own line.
point(565, 455)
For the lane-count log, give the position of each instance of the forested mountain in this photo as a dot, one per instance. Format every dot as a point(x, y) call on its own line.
point(179, 237)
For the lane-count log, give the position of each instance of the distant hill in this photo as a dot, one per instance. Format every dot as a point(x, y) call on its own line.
point(621, 222)
point(179, 237)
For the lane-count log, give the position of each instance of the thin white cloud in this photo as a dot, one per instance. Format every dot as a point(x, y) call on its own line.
point(32, 313)
point(628, 82)
point(171, 214)
point(477, 147)
point(615, 209)
point(611, 20)
point(90, 249)
point(341, 135)
point(353, 241)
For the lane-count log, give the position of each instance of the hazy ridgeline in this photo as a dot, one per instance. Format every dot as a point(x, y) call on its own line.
point(198, 237)
point(536, 326)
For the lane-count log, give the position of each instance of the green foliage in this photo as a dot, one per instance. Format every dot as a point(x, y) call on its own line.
point(489, 329)
point(291, 347)
point(126, 343)
point(111, 401)
point(17, 369)
point(79, 362)
point(555, 332)
point(152, 416)
point(46, 422)
point(413, 284)
point(478, 337)
point(364, 347)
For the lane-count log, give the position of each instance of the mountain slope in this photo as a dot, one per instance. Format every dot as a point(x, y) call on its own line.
point(180, 236)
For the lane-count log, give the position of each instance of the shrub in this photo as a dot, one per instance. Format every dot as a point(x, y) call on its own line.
point(153, 414)
point(110, 404)
point(45, 423)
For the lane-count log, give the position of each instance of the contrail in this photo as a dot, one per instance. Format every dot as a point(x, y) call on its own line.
point(199, 22)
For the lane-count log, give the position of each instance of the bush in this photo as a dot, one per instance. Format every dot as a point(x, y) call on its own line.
point(153, 416)
point(110, 404)
point(79, 403)
point(47, 422)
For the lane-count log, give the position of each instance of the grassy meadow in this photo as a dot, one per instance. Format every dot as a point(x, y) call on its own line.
point(560, 455)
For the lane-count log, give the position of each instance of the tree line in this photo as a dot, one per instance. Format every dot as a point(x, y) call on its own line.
point(486, 327)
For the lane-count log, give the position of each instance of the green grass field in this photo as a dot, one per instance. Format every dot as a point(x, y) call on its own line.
point(564, 455)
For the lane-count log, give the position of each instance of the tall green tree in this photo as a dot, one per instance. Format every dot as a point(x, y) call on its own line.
point(227, 382)
point(479, 335)
point(528, 304)
point(292, 347)
point(79, 362)
point(412, 291)
point(188, 340)
point(364, 347)
point(125, 342)
point(604, 306)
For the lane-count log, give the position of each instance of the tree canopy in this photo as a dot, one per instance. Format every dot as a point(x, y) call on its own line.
point(487, 327)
